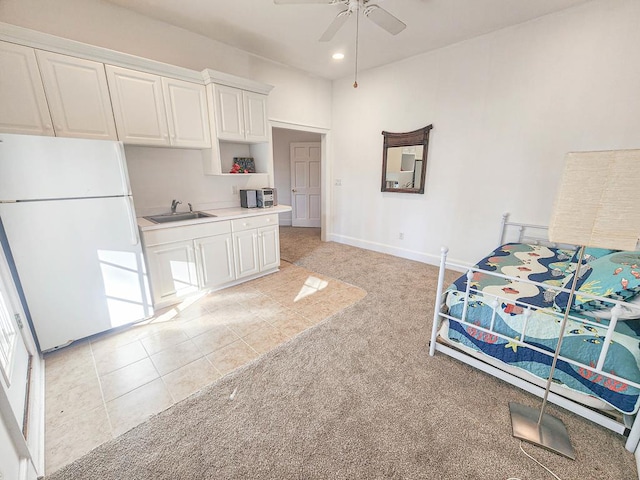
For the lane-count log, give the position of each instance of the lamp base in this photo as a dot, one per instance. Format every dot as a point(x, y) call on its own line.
point(550, 434)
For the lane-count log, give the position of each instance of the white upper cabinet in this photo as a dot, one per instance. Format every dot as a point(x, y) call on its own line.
point(138, 106)
point(240, 115)
point(229, 113)
point(154, 110)
point(186, 105)
point(78, 96)
point(23, 105)
point(255, 116)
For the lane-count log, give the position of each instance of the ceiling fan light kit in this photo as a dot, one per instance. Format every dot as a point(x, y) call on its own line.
point(375, 13)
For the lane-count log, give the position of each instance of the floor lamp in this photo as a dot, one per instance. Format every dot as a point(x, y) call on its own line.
point(597, 205)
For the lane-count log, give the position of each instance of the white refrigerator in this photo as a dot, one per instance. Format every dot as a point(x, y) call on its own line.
point(69, 225)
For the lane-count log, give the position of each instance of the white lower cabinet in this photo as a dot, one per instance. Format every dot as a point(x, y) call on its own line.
point(215, 256)
point(183, 260)
point(246, 247)
point(257, 250)
point(269, 247)
point(172, 270)
point(257, 244)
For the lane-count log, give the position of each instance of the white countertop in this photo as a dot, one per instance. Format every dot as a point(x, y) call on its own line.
point(221, 214)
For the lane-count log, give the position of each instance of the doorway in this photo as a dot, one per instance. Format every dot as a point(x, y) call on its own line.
point(304, 159)
point(14, 356)
point(285, 180)
point(21, 382)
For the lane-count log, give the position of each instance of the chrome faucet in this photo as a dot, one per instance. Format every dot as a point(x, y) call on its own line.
point(174, 205)
point(190, 208)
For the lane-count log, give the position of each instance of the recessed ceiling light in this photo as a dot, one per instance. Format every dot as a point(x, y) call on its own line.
point(337, 56)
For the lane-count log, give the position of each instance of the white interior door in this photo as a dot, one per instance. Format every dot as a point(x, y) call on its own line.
point(21, 372)
point(14, 357)
point(305, 184)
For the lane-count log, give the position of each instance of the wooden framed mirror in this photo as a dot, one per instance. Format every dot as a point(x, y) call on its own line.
point(404, 161)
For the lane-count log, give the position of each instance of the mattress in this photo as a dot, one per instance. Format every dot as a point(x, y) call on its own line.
point(583, 338)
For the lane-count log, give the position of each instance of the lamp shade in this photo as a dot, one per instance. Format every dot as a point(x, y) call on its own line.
point(598, 201)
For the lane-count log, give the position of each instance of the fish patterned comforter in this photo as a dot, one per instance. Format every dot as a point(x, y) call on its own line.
point(581, 342)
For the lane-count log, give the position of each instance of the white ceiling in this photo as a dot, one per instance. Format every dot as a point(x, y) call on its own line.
point(289, 34)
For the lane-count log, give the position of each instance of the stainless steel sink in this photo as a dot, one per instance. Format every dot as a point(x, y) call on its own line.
point(177, 217)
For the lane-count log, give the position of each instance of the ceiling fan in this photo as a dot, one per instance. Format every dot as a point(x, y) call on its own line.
point(376, 14)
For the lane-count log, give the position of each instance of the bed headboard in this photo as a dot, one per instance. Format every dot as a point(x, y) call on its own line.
point(526, 233)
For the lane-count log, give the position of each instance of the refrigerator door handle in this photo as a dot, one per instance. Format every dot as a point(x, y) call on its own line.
point(126, 190)
point(133, 224)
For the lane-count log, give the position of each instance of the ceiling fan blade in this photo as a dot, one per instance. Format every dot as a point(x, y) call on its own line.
point(286, 2)
point(383, 19)
point(340, 20)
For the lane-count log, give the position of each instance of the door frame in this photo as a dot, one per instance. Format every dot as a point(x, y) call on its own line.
point(30, 450)
point(325, 169)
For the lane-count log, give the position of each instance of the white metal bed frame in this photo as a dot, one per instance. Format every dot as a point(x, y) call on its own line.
point(532, 234)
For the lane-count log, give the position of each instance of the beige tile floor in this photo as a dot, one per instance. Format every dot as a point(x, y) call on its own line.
point(98, 389)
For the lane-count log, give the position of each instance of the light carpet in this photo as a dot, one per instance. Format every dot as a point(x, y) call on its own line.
point(356, 397)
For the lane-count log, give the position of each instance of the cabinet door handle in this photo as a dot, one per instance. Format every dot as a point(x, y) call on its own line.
point(294, 190)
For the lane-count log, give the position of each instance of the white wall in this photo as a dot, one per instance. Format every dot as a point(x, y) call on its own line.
point(159, 175)
point(297, 97)
point(506, 107)
point(282, 139)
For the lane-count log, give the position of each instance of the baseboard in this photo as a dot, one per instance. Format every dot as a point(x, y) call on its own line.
point(428, 258)
point(285, 222)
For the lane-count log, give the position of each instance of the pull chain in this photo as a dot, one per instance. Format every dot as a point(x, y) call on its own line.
point(355, 80)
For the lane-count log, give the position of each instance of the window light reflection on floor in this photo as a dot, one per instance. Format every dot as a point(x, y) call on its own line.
point(176, 309)
point(311, 285)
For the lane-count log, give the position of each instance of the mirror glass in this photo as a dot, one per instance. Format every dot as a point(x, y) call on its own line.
point(404, 161)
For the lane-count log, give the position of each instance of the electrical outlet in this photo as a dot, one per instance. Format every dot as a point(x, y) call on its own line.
point(338, 182)
point(234, 189)
point(401, 236)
